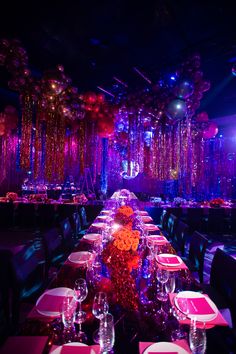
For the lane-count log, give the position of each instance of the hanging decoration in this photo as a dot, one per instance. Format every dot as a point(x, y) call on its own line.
point(154, 131)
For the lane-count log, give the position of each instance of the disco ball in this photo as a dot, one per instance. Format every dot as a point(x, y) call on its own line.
point(130, 169)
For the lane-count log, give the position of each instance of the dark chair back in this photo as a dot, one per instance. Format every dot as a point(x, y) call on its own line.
point(76, 225)
point(83, 218)
point(171, 226)
point(53, 244)
point(67, 235)
point(181, 236)
point(197, 249)
point(27, 277)
point(223, 279)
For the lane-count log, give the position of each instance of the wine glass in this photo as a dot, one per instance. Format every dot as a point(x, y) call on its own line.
point(80, 294)
point(68, 316)
point(106, 333)
point(197, 338)
point(162, 277)
point(170, 284)
point(100, 309)
point(180, 315)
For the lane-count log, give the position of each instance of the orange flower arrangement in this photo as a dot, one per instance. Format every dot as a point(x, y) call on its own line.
point(12, 196)
point(121, 257)
point(126, 239)
point(124, 216)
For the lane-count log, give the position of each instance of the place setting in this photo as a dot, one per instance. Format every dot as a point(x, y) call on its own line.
point(199, 307)
point(170, 261)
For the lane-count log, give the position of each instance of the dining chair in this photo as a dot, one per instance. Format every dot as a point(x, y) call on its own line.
point(67, 235)
point(83, 217)
point(222, 285)
point(26, 278)
point(181, 238)
point(52, 241)
point(195, 259)
point(172, 223)
point(76, 226)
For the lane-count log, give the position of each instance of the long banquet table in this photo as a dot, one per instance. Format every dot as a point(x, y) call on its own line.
point(131, 327)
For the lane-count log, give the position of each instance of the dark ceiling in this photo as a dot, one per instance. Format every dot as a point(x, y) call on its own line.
point(96, 40)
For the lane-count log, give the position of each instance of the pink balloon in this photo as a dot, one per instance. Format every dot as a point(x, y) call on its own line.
point(210, 131)
point(202, 117)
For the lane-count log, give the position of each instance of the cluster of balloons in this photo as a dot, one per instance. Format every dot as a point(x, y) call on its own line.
point(8, 120)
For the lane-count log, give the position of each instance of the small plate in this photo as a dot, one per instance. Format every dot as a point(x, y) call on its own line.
point(146, 218)
point(72, 344)
point(80, 257)
point(151, 227)
point(195, 294)
point(157, 238)
point(165, 347)
point(93, 237)
point(56, 292)
point(99, 225)
point(160, 258)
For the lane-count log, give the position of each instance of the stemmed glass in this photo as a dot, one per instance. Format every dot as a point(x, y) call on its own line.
point(162, 277)
point(100, 309)
point(197, 338)
point(68, 315)
point(180, 316)
point(80, 294)
point(106, 333)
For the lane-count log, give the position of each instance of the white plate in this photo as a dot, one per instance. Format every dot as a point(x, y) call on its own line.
point(151, 227)
point(92, 237)
point(102, 217)
point(169, 255)
point(165, 347)
point(146, 218)
point(99, 225)
point(194, 294)
point(56, 292)
point(157, 238)
point(142, 212)
point(105, 211)
point(75, 344)
point(80, 257)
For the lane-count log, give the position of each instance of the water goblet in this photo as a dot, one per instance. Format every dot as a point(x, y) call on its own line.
point(80, 294)
point(170, 284)
point(180, 315)
point(106, 333)
point(100, 309)
point(197, 338)
point(68, 316)
point(162, 277)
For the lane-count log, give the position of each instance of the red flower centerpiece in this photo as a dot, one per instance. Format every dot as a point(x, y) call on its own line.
point(121, 257)
point(217, 202)
point(12, 196)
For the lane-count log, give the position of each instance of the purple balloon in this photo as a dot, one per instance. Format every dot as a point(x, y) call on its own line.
point(184, 89)
point(176, 110)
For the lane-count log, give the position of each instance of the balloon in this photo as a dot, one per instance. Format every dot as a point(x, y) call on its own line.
point(202, 117)
point(184, 89)
point(210, 131)
point(176, 109)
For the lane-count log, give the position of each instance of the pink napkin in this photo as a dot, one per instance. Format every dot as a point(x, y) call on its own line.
point(24, 345)
point(77, 350)
point(217, 321)
point(173, 268)
point(52, 303)
point(71, 349)
point(162, 352)
point(181, 342)
point(197, 306)
point(168, 260)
